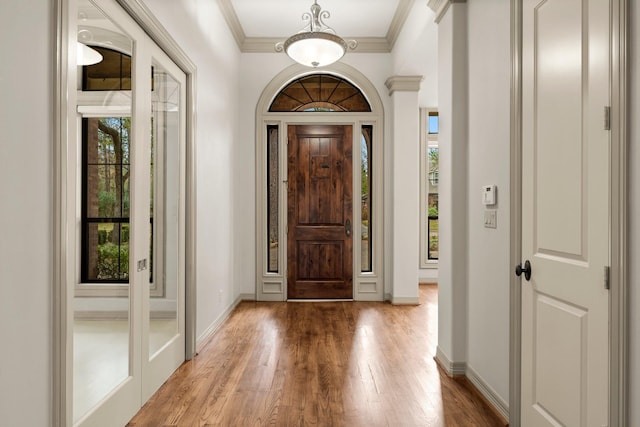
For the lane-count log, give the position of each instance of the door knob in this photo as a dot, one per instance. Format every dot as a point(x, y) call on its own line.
point(526, 270)
point(347, 228)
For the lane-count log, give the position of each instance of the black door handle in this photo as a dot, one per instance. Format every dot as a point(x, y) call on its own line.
point(347, 228)
point(526, 270)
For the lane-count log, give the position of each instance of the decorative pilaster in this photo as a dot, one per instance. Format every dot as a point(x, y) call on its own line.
point(405, 195)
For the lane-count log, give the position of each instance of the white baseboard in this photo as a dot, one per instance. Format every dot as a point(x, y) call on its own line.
point(451, 368)
point(405, 301)
point(488, 392)
point(208, 333)
point(247, 297)
point(462, 368)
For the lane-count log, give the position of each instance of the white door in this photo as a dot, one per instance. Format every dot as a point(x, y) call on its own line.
point(135, 337)
point(163, 330)
point(565, 213)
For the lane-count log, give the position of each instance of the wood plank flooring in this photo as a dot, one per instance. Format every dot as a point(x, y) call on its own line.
point(319, 364)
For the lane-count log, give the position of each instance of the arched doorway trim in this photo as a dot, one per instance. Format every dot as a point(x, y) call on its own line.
point(271, 128)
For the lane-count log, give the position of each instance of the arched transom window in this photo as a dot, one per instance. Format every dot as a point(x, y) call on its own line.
point(318, 93)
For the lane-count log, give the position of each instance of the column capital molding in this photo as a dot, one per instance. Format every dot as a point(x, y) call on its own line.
point(403, 84)
point(440, 7)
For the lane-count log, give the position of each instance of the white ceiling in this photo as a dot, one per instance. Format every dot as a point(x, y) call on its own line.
point(256, 23)
point(281, 18)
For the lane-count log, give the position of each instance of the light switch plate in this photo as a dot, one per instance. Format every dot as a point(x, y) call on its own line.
point(490, 218)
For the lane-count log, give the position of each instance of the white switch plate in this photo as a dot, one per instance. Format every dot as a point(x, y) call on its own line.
point(491, 218)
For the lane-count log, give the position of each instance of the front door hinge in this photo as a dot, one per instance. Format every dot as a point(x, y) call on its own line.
point(607, 280)
point(607, 118)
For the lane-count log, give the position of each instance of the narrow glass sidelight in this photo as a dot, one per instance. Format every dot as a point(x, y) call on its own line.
point(273, 187)
point(366, 191)
point(432, 208)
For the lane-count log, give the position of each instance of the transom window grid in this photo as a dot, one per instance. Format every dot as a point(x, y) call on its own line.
point(320, 93)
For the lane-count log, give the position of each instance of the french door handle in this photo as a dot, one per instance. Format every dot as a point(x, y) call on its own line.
point(347, 227)
point(526, 270)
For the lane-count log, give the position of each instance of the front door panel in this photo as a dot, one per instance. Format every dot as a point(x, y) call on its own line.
point(320, 212)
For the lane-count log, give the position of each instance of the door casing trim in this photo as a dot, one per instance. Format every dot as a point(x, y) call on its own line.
point(366, 286)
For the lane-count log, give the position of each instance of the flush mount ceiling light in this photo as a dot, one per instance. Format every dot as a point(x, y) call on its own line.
point(317, 44)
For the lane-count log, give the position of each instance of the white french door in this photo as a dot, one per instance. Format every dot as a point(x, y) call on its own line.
point(565, 213)
point(163, 332)
point(129, 335)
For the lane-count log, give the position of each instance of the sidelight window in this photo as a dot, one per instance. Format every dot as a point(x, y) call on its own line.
point(429, 176)
point(273, 229)
point(366, 191)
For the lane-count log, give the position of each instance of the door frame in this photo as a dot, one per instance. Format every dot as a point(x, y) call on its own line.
point(367, 286)
point(618, 305)
point(63, 250)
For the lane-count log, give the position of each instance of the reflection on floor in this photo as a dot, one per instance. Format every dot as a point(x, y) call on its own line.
point(100, 357)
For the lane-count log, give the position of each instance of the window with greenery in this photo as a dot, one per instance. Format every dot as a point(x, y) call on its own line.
point(432, 209)
point(366, 190)
point(430, 177)
point(105, 199)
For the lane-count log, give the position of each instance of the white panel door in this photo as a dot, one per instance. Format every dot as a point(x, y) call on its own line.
point(565, 212)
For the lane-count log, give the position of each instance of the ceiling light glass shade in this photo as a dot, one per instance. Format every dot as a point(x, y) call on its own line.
point(87, 56)
point(316, 45)
point(315, 49)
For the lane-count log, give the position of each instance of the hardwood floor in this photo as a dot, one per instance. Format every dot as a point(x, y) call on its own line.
point(321, 364)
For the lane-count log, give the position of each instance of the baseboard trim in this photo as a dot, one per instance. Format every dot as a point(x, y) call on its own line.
point(247, 297)
point(476, 384)
point(405, 301)
point(495, 402)
point(206, 336)
point(451, 368)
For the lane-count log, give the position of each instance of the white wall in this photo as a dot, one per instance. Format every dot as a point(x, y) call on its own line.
point(200, 29)
point(474, 104)
point(415, 52)
point(489, 147)
point(634, 216)
point(26, 150)
point(452, 199)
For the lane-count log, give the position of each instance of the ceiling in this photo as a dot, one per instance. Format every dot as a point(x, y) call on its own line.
point(258, 24)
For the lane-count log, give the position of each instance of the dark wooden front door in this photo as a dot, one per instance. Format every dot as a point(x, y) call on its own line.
point(319, 242)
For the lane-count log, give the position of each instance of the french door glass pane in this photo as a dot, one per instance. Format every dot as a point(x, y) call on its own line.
point(164, 209)
point(101, 326)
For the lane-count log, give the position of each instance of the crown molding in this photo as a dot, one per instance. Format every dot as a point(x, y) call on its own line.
point(440, 7)
point(233, 22)
point(403, 84)
point(399, 18)
point(267, 44)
